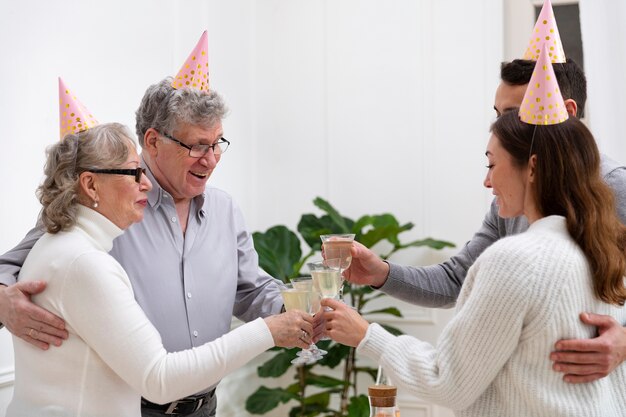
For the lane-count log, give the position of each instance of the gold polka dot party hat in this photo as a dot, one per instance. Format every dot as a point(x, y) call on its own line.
point(195, 71)
point(545, 33)
point(543, 103)
point(73, 115)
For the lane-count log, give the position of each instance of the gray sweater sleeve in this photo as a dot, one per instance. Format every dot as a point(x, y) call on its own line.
point(615, 176)
point(439, 285)
point(12, 261)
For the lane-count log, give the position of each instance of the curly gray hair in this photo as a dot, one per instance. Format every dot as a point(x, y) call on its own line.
point(102, 146)
point(164, 108)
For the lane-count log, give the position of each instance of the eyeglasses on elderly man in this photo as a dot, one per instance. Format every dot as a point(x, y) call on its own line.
point(199, 150)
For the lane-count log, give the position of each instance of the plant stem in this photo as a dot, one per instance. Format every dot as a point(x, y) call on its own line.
point(347, 374)
point(302, 382)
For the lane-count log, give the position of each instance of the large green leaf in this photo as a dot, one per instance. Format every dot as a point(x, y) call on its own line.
point(265, 399)
point(357, 290)
point(324, 381)
point(359, 406)
point(429, 242)
point(394, 311)
point(383, 226)
point(278, 365)
point(311, 227)
point(313, 405)
point(342, 225)
point(279, 250)
point(336, 354)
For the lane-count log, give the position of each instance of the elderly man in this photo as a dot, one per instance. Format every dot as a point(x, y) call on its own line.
point(191, 261)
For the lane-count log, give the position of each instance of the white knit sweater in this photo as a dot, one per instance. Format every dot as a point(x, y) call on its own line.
point(113, 354)
point(522, 295)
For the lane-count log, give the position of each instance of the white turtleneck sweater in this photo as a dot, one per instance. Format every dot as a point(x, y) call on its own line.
point(113, 355)
point(523, 294)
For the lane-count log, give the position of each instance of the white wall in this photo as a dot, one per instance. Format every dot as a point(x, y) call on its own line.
point(377, 106)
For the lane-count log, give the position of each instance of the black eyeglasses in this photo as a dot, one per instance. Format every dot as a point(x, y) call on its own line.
point(137, 172)
point(199, 150)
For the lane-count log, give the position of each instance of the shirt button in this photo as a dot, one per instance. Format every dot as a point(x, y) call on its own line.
point(195, 333)
point(188, 295)
point(173, 219)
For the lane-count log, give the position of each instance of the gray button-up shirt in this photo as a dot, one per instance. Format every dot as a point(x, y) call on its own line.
point(189, 286)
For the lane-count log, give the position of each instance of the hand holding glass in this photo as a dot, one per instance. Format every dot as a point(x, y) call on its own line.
point(306, 284)
point(339, 246)
point(300, 298)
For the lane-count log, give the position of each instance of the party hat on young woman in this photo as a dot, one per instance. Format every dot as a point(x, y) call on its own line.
point(195, 71)
point(543, 103)
point(545, 33)
point(73, 115)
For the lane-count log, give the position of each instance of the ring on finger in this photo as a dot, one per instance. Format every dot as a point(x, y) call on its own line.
point(304, 334)
point(30, 333)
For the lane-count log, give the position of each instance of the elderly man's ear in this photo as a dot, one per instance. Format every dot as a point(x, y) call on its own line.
point(151, 142)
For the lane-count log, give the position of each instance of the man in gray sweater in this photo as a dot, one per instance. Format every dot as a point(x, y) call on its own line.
point(439, 285)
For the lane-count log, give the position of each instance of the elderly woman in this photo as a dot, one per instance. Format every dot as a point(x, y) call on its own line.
point(93, 190)
point(522, 293)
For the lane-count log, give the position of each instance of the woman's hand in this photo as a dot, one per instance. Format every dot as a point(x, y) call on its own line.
point(343, 324)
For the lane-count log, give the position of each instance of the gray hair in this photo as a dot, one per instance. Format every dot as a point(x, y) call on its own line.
point(102, 146)
point(164, 108)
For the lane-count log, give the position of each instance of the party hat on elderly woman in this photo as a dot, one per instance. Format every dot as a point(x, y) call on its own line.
point(195, 71)
point(543, 103)
point(73, 115)
point(545, 33)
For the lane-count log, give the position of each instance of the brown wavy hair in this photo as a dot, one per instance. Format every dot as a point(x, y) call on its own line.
point(568, 183)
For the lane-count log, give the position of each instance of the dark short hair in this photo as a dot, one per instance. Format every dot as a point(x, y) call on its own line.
point(570, 76)
point(568, 183)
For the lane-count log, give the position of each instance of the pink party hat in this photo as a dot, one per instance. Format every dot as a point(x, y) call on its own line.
point(73, 115)
point(543, 103)
point(195, 72)
point(545, 33)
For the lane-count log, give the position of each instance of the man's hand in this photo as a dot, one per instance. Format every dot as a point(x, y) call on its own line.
point(586, 360)
point(366, 267)
point(27, 320)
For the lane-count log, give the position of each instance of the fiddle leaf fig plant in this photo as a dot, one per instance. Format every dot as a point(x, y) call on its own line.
point(314, 392)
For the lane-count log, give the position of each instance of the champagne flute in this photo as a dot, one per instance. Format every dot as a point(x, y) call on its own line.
point(298, 299)
point(326, 276)
point(339, 246)
point(306, 284)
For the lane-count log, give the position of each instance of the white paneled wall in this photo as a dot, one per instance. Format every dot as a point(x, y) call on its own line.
point(377, 106)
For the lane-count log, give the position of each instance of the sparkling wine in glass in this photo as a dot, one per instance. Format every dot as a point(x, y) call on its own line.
point(338, 246)
point(327, 280)
point(327, 277)
point(299, 299)
point(306, 284)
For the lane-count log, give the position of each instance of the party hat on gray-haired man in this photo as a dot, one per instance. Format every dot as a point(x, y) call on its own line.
point(195, 71)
